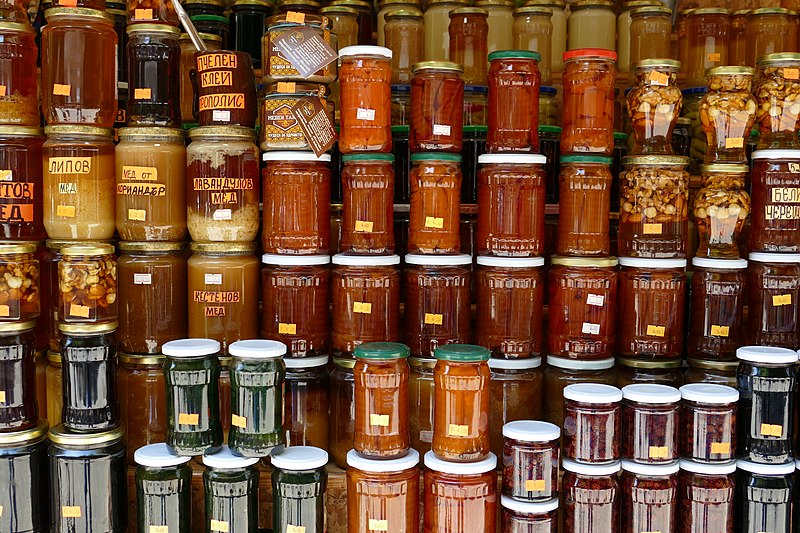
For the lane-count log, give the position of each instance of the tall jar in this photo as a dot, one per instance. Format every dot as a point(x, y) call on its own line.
point(248, 19)
point(343, 410)
point(437, 103)
point(87, 284)
point(562, 372)
point(213, 43)
point(21, 201)
point(299, 482)
point(366, 93)
point(651, 31)
point(501, 18)
point(773, 300)
point(649, 497)
point(514, 81)
point(368, 204)
point(405, 36)
point(141, 393)
point(705, 496)
point(230, 483)
point(533, 30)
point(19, 103)
point(588, 121)
point(776, 88)
point(69, 96)
point(728, 113)
point(384, 7)
point(437, 23)
point(708, 32)
point(559, 22)
point(584, 190)
point(20, 289)
point(434, 226)
point(420, 403)
point(468, 30)
point(624, 32)
point(18, 408)
point(654, 105)
point(592, 24)
point(154, 89)
point(515, 394)
point(774, 179)
point(141, 11)
point(769, 30)
point(163, 489)
point(737, 38)
point(719, 210)
point(24, 471)
point(306, 399)
point(591, 497)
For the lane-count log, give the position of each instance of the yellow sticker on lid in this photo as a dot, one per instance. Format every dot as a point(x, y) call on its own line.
point(287, 329)
point(714, 57)
point(364, 226)
point(379, 420)
point(239, 421)
point(71, 511)
point(362, 307)
point(61, 90)
point(772, 430)
point(656, 331)
point(188, 419)
point(434, 318)
point(219, 525)
point(720, 331)
point(65, 211)
point(659, 452)
point(652, 229)
point(294, 16)
point(535, 485)
point(456, 430)
point(378, 525)
point(79, 310)
point(143, 14)
point(434, 222)
point(781, 299)
point(721, 447)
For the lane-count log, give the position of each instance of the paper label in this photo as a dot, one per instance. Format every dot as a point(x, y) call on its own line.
point(434, 318)
point(781, 212)
point(590, 329)
point(238, 421)
point(286, 87)
point(295, 529)
point(656, 331)
point(220, 116)
point(721, 447)
point(186, 419)
point(652, 229)
point(209, 102)
point(434, 222)
point(142, 279)
point(65, 211)
point(378, 525)
point(362, 307)
point(158, 529)
point(365, 114)
point(785, 195)
point(71, 511)
point(139, 215)
point(791, 73)
point(534, 485)
point(379, 420)
point(363, 226)
point(781, 299)
point(734, 142)
point(771, 430)
point(7, 175)
point(69, 165)
point(2, 396)
point(131, 173)
point(426, 436)
point(297, 18)
point(222, 214)
point(659, 78)
point(714, 57)
point(214, 311)
point(142, 93)
point(312, 116)
point(720, 331)
point(659, 452)
point(141, 189)
point(597, 300)
point(79, 310)
point(287, 329)
point(217, 60)
point(219, 525)
point(145, 14)
point(5, 311)
point(217, 297)
point(61, 90)
point(441, 129)
point(213, 279)
point(305, 49)
point(3, 90)
point(216, 78)
point(456, 430)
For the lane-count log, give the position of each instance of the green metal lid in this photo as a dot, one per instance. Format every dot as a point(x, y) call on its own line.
point(586, 159)
point(368, 157)
point(382, 351)
point(435, 156)
point(619, 136)
point(400, 129)
point(462, 353)
point(210, 18)
point(546, 128)
point(515, 54)
point(476, 129)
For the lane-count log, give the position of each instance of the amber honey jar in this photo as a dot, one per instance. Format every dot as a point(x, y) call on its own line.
point(142, 403)
point(775, 221)
point(151, 11)
point(709, 32)
point(584, 190)
point(19, 104)
point(21, 204)
point(368, 185)
point(306, 401)
point(469, 45)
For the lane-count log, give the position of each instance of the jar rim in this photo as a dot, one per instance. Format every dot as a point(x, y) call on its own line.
point(257, 349)
point(524, 363)
point(708, 468)
point(76, 12)
point(465, 469)
point(382, 351)
point(338, 10)
point(651, 393)
point(469, 10)
point(779, 57)
point(236, 132)
point(365, 260)
point(153, 28)
point(365, 50)
point(711, 11)
point(651, 10)
point(771, 11)
point(21, 131)
point(306, 362)
point(655, 160)
point(225, 459)
point(63, 436)
point(531, 431)
point(532, 508)
point(159, 455)
point(709, 393)
point(722, 264)
point(17, 327)
point(646, 262)
point(81, 250)
point(767, 257)
point(299, 458)
point(368, 157)
point(204, 36)
point(133, 359)
point(513, 159)
point(592, 393)
point(462, 353)
point(551, 3)
point(654, 470)
point(344, 362)
point(421, 157)
point(437, 65)
point(205, 17)
point(727, 168)
point(717, 366)
point(766, 469)
point(510, 262)
point(403, 13)
point(516, 54)
point(574, 364)
point(776, 154)
point(590, 53)
point(17, 248)
point(36, 433)
point(730, 71)
point(190, 348)
point(590, 469)
point(601, 262)
point(172, 133)
point(382, 466)
point(533, 10)
point(295, 260)
point(438, 260)
point(88, 329)
point(151, 246)
point(657, 63)
point(766, 355)
point(78, 131)
point(649, 364)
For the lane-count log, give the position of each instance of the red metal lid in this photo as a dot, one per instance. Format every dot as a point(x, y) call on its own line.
point(590, 52)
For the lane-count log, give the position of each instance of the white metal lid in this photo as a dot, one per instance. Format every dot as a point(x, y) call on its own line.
point(527, 363)
point(306, 362)
point(590, 469)
point(438, 260)
point(365, 260)
point(644, 469)
point(529, 507)
point(158, 456)
point(518, 159)
point(764, 257)
point(729, 264)
point(642, 262)
point(299, 458)
point(651, 393)
point(295, 156)
point(712, 469)
point(766, 469)
point(295, 260)
point(594, 393)
point(257, 349)
point(225, 459)
point(510, 262)
point(463, 469)
point(573, 364)
point(383, 465)
point(709, 393)
point(365, 50)
point(776, 154)
point(767, 355)
point(190, 347)
point(531, 431)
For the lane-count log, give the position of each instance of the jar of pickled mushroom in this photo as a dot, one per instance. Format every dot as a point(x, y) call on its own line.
point(437, 103)
point(505, 287)
point(592, 423)
point(764, 419)
point(19, 103)
point(342, 409)
point(773, 300)
point(21, 214)
point(529, 516)
point(68, 95)
point(383, 494)
point(708, 422)
point(420, 403)
point(775, 179)
point(764, 496)
point(365, 84)
point(654, 197)
point(769, 30)
point(296, 203)
point(18, 400)
point(461, 378)
point(368, 204)
point(592, 24)
point(141, 393)
point(648, 496)
point(24, 466)
point(650, 423)
point(651, 31)
point(561, 372)
point(405, 35)
point(720, 208)
point(776, 88)
point(468, 31)
point(728, 113)
point(624, 32)
point(154, 58)
point(513, 114)
point(654, 105)
point(151, 11)
point(306, 397)
point(230, 483)
point(87, 277)
point(588, 117)
point(630, 371)
point(163, 482)
point(435, 203)
point(584, 190)
point(365, 295)
point(530, 454)
point(721, 373)
point(705, 496)
point(515, 393)
point(533, 30)
point(20, 294)
point(299, 483)
point(213, 43)
point(279, 127)
point(708, 33)
point(591, 496)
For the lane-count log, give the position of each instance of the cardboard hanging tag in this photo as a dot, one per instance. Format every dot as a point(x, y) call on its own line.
point(306, 50)
point(313, 119)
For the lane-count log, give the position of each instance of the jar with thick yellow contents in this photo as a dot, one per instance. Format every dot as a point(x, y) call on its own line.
point(561, 372)
point(142, 402)
point(770, 30)
point(592, 24)
point(420, 403)
point(87, 284)
point(515, 393)
point(386, 6)
point(501, 18)
point(405, 36)
point(533, 30)
point(719, 210)
point(651, 31)
point(708, 34)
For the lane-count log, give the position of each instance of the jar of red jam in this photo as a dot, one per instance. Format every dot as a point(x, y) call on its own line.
point(581, 321)
point(367, 204)
point(652, 293)
point(531, 454)
point(526, 517)
point(437, 301)
point(514, 81)
point(437, 107)
point(773, 300)
point(515, 393)
point(592, 422)
point(591, 497)
point(775, 192)
point(511, 192)
point(705, 496)
point(708, 422)
point(562, 372)
point(506, 287)
point(650, 418)
point(584, 192)
point(648, 496)
point(435, 212)
point(365, 78)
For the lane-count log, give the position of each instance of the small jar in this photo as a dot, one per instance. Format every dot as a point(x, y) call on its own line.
point(654, 105)
point(21, 208)
point(584, 193)
point(343, 410)
point(648, 496)
point(591, 496)
point(231, 491)
point(460, 496)
point(705, 496)
point(434, 226)
point(728, 113)
point(764, 421)
point(775, 224)
point(163, 489)
point(405, 35)
point(737, 38)
point(720, 208)
point(529, 516)
point(515, 393)
point(306, 398)
point(87, 277)
point(764, 496)
point(682, 137)
point(514, 80)
point(716, 324)
point(401, 107)
point(531, 454)
point(191, 373)
point(20, 290)
point(154, 57)
point(592, 24)
point(562, 372)
point(461, 377)
point(142, 404)
point(55, 393)
point(365, 117)
point(383, 494)
point(777, 86)
point(549, 108)
point(18, 403)
point(592, 422)
point(299, 482)
point(773, 300)
point(588, 121)
point(651, 31)
point(721, 373)
point(652, 295)
point(368, 204)
point(276, 67)
point(257, 373)
point(650, 422)
point(631, 371)
point(24, 470)
point(437, 103)
point(468, 31)
point(279, 127)
point(345, 23)
point(19, 101)
point(533, 30)
point(708, 32)
point(708, 422)
point(769, 30)
point(420, 403)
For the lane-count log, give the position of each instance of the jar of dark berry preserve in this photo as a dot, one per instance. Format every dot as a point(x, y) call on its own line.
point(650, 423)
point(18, 406)
point(648, 496)
point(764, 496)
point(591, 497)
point(708, 422)
point(529, 517)
point(592, 423)
point(154, 57)
point(705, 496)
point(23, 471)
point(530, 460)
point(299, 481)
point(231, 492)
point(163, 490)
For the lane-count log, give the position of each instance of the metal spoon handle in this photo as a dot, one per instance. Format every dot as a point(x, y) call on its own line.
point(189, 27)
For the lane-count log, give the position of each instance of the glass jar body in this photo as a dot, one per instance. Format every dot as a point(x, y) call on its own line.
point(21, 212)
point(588, 118)
point(654, 105)
point(530, 470)
point(584, 192)
point(368, 207)
point(556, 379)
point(153, 69)
point(775, 224)
point(164, 498)
point(737, 39)
point(774, 89)
point(89, 382)
point(590, 432)
point(420, 403)
point(306, 400)
point(23, 468)
point(591, 503)
point(298, 499)
point(19, 104)
point(469, 45)
point(716, 324)
point(88, 289)
point(256, 405)
point(435, 208)
point(709, 431)
point(650, 36)
point(773, 303)
point(405, 36)
point(19, 408)
point(231, 499)
point(719, 210)
point(769, 32)
point(763, 501)
point(142, 403)
point(343, 409)
point(513, 395)
point(437, 111)
point(390, 498)
point(648, 503)
point(534, 31)
point(705, 502)
point(366, 124)
point(461, 435)
point(708, 36)
point(460, 502)
point(276, 67)
point(727, 114)
point(381, 397)
point(650, 432)
point(593, 26)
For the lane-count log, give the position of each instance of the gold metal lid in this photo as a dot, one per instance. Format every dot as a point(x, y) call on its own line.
point(655, 160)
point(359, 5)
point(147, 133)
point(61, 436)
point(344, 362)
point(334, 9)
point(781, 57)
point(505, 3)
point(469, 11)
point(771, 11)
point(132, 359)
point(724, 168)
point(711, 11)
point(434, 2)
point(21, 131)
point(437, 65)
point(77, 12)
point(17, 248)
point(630, 4)
point(651, 10)
point(719, 366)
point(238, 132)
point(130, 246)
point(53, 357)
point(584, 261)
point(420, 362)
point(16, 327)
point(153, 28)
point(532, 10)
point(403, 13)
point(546, 3)
point(648, 364)
point(658, 63)
point(731, 71)
point(88, 329)
point(580, 4)
point(36, 433)
point(260, 3)
point(218, 3)
point(210, 37)
point(223, 247)
point(78, 130)
point(16, 27)
point(741, 13)
point(79, 250)
point(58, 244)
point(384, 3)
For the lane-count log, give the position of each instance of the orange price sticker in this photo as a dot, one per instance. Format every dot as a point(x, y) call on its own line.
point(79, 310)
point(714, 57)
point(238, 421)
point(720, 331)
point(652, 229)
point(659, 78)
point(364, 226)
point(137, 214)
point(294, 16)
point(721, 447)
point(791, 73)
point(5, 311)
point(2, 396)
point(61, 90)
point(656, 331)
point(286, 87)
point(187, 419)
point(143, 14)
point(65, 211)
point(3, 90)
point(142, 93)
point(287, 329)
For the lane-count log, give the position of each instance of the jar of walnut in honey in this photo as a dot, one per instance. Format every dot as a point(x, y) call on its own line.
point(719, 210)
point(87, 284)
point(654, 105)
point(728, 113)
point(19, 283)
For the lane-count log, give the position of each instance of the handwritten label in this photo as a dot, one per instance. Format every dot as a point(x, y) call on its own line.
point(659, 452)
point(222, 214)
point(590, 329)
point(441, 129)
point(61, 90)
point(187, 419)
point(456, 430)
point(131, 173)
point(781, 299)
point(238, 421)
point(652, 229)
point(720, 331)
point(69, 165)
point(79, 310)
point(142, 279)
point(714, 57)
point(144, 14)
point(142, 93)
point(139, 215)
point(434, 318)
point(71, 511)
point(225, 60)
point(365, 114)
point(217, 297)
point(137, 189)
point(791, 73)
point(597, 300)
point(734, 142)
point(216, 78)
point(656, 331)
point(363, 226)
point(771, 430)
point(535, 485)
point(212, 279)
point(721, 447)
point(287, 329)
point(378, 525)
point(158, 529)
point(219, 525)
point(379, 420)
point(215, 311)
point(209, 102)
point(434, 222)
point(659, 78)
point(362, 307)
point(295, 529)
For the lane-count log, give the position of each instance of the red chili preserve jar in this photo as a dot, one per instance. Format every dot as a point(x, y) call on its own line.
point(513, 120)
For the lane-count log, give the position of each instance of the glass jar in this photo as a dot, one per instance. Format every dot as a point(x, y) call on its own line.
point(708, 32)
point(345, 23)
point(624, 32)
point(142, 405)
point(368, 204)
point(435, 203)
point(773, 300)
point(163, 489)
point(764, 420)
point(705, 496)
point(775, 224)
point(501, 19)
point(88, 481)
point(299, 482)
point(405, 37)
point(589, 78)
point(460, 496)
point(437, 104)
point(775, 89)
point(437, 301)
point(279, 127)
point(223, 283)
point(213, 43)
point(24, 470)
point(651, 31)
point(691, 110)
point(549, 146)
point(21, 212)
point(437, 22)
point(559, 22)
point(383, 494)
point(560, 372)
point(222, 184)
point(584, 190)
point(728, 113)
point(191, 374)
point(365, 114)
point(87, 278)
point(365, 301)
point(475, 106)
point(630, 371)
point(386, 6)
point(654, 105)
point(275, 66)
point(529, 516)
point(78, 183)
point(68, 95)
point(722, 373)
point(248, 20)
point(716, 324)
point(55, 394)
point(154, 57)
point(764, 496)
point(648, 496)
point(204, 7)
point(533, 30)
point(549, 108)
point(295, 298)
point(769, 30)
point(592, 423)
point(19, 103)
point(420, 403)
point(306, 391)
point(515, 393)
point(343, 410)
point(474, 147)
point(708, 419)
point(461, 377)
point(296, 202)
point(530, 460)
point(401, 109)
point(509, 287)
point(514, 81)
point(215, 25)
point(591, 496)
point(468, 32)
point(231, 491)
point(737, 38)
point(592, 24)
point(18, 405)
point(650, 422)
point(720, 208)
point(20, 288)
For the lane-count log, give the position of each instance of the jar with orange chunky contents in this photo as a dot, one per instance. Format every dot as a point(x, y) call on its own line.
point(513, 105)
point(435, 203)
point(773, 300)
point(654, 105)
point(19, 283)
point(719, 210)
point(775, 183)
point(515, 393)
point(776, 90)
point(584, 192)
point(368, 204)
point(591, 496)
point(365, 83)
point(728, 113)
point(87, 284)
point(437, 107)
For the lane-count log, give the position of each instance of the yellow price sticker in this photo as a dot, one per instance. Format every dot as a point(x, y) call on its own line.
point(434, 318)
point(239, 421)
point(71, 511)
point(653, 229)
point(656, 331)
point(772, 430)
point(2, 396)
point(287, 329)
point(362, 307)
point(188, 419)
point(139, 215)
point(734, 142)
point(781, 299)
point(79, 310)
point(535, 485)
point(220, 525)
point(61, 89)
point(295, 529)
point(721, 447)
point(379, 420)
point(456, 430)
point(158, 529)
point(378, 525)
point(720, 331)
point(144, 14)
point(142, 93)
point(364, 226)
point(67, 211)
point(659, 452)
point(434, 222)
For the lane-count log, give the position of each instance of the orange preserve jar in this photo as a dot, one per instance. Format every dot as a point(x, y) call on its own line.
point(510, 292)
point(75, 42)
point(469, 44)
point(365, 78)
point(708, 32)
point(581, 323)
point(434, 219)
point(773, 300)
point(437, 301)
point(383, 494)
point(19, 104)
point(437, 107)
point(367, 204)
point(295, 295)
point(297, 201)
point(652, 295)
point(588, 116)
point(381, 399)
point(365, 295)
point(775, 184)
point(511, 192)
point(21, 214)
point(460, 497)
point(513, 120)
point(770, 30)
point(584, 189)
point(461, 403)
